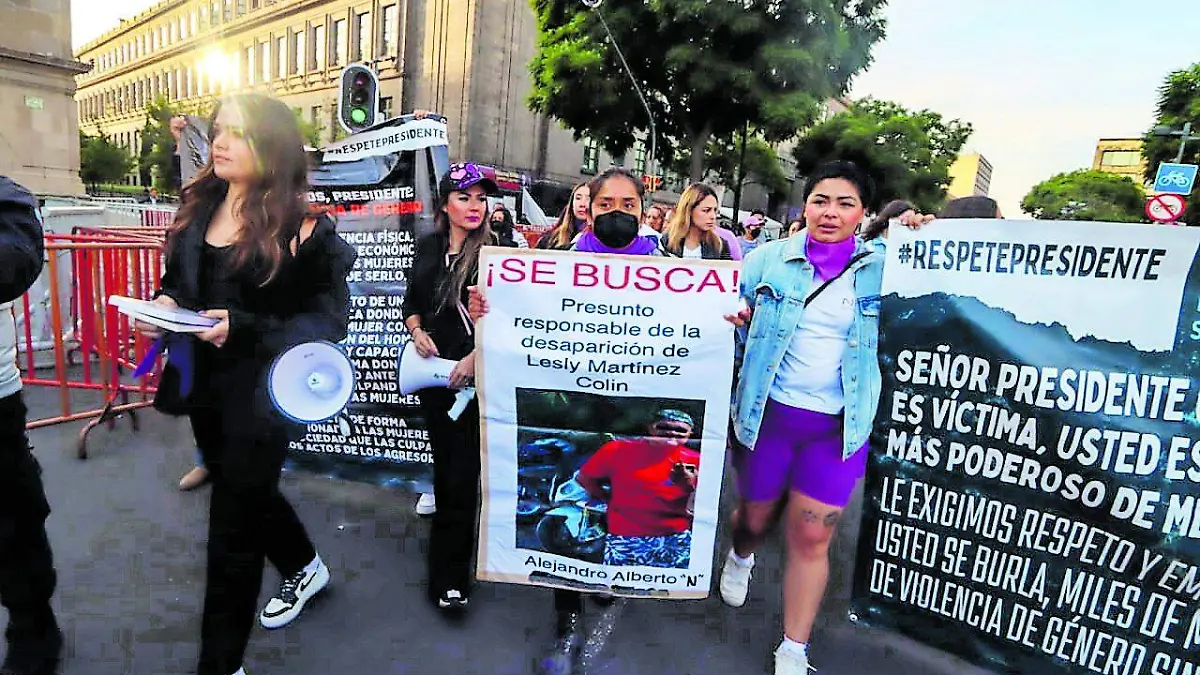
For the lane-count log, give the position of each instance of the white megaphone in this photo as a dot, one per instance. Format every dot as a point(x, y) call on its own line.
point(415, 372)
point(312, 382)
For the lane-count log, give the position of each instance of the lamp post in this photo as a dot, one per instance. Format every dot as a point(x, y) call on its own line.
point(594, 5)
point(1184, 136)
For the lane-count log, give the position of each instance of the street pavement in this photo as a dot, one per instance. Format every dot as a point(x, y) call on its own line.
point(130, 554)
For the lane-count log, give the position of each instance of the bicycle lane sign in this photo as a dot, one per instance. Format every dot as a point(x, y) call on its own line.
point(1175, 179)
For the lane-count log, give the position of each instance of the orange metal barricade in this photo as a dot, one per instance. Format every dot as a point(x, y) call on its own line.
point(96, 263)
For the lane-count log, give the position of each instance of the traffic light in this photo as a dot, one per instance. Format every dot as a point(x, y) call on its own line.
point(358, 99)
point(652, 183)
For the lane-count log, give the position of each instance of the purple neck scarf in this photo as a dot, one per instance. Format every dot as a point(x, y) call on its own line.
point(829, 259)
point(588, 243)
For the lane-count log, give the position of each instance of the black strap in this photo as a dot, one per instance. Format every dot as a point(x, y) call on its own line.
point(822, 287)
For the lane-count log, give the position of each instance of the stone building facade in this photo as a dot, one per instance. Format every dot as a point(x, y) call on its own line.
point(39, 132)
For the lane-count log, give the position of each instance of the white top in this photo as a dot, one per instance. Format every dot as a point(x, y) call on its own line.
point(810, 374)
point(697, 252)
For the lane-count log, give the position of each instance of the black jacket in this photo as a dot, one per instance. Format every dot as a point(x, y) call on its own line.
point(21, 248)
point(707, 252)
point(429, 273)
point(307, 300)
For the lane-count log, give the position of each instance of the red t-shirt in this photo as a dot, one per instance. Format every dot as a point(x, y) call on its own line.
point(645, 501)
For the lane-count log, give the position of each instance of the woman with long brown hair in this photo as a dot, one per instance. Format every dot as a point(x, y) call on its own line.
point(245, 251)
point(692, 231)
point(445, 266)
point(575, 219)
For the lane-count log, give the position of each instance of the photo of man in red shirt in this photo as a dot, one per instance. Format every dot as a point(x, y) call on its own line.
point(652, 480)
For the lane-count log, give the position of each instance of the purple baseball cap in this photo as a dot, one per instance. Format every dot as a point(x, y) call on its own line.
point(463, 175)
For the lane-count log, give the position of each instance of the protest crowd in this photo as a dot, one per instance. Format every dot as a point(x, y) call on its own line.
point(247, 251)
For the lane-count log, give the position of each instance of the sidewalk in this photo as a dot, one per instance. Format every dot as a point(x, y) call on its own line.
point(130, 554)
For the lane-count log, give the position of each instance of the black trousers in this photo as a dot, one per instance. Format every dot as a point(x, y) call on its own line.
point(568, 601)
point(456, 450)
point(249, 522)
point(27, 576)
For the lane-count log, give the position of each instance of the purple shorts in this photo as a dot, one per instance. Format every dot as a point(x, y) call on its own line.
point(801, 450)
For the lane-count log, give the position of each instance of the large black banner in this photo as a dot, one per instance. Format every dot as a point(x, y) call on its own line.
point(1033, 492)
point(379, 187)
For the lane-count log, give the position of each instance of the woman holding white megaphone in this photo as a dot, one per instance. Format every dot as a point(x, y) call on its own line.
point(435, 314)
point(244, 249)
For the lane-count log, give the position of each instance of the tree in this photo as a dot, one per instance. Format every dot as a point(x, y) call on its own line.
point(907, 153)
point(101, 160)
point(723, 157)
point(1179, 102)
point(707, 67)
point(309, 130)
point(1086, 195)
point(158, 145)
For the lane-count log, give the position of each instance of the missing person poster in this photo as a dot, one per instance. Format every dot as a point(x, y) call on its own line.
point(1033, 492)
point(382, 198)
point(604, 388)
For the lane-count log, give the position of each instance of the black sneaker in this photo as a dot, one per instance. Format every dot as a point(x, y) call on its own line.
point(453, 601)
point(294, 592)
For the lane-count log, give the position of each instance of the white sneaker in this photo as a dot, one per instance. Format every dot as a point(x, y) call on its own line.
point(788, 662)
point(735, 580)
point(240, 671)
point(426, 505)
point(294, 592)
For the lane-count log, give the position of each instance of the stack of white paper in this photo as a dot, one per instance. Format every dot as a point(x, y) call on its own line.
point(171, 320)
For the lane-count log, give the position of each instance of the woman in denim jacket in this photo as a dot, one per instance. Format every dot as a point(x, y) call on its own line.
point(806, 396)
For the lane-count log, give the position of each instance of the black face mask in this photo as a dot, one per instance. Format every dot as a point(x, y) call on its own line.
point(616, 229)
point(500, 225)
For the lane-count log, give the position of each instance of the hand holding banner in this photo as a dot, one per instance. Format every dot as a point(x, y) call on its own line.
point(604, 386)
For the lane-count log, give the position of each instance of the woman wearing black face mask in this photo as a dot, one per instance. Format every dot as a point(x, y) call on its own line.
point(616, 208)
point(505, 230)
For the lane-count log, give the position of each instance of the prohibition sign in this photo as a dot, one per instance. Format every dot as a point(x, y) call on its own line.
point(1165, 208)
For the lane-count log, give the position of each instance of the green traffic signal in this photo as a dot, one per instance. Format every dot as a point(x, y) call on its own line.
point(358, 115)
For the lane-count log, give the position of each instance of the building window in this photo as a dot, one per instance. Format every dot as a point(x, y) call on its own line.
point(280, 58)
point(228, 10)
point(591, 157)
point(297, 51)
point(639, 158)
point(241, 7)
point(386, 106)
point(162, 36)
point(264, 61)
point(172, 32)
point(314, 115)
point(338, 57)
point(318, 47)
point(1113, 158)
point(255, 4)
point(362, 36)
point(214, 14)
point(388, 47)
point(195, 28)
point(249, 65)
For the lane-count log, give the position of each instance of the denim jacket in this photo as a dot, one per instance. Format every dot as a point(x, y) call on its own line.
point(776, 278)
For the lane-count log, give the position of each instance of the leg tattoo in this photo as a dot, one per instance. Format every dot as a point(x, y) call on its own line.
point(832, 518)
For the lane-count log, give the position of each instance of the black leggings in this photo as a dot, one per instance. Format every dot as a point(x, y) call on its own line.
point(568, 601)
point(452, 534)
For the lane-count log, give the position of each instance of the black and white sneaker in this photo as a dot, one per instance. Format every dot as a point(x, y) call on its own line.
point(453, 601)
point(294, 592)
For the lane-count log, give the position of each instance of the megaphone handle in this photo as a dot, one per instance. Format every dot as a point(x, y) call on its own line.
point(461, 399)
